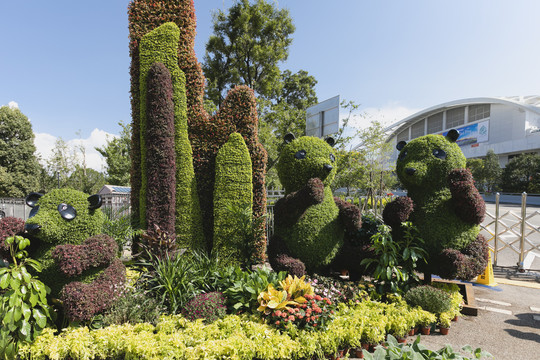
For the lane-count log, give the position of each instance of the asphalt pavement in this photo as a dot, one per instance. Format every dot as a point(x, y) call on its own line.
point(508, 321)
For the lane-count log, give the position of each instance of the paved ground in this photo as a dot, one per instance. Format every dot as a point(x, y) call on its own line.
point(507, 325)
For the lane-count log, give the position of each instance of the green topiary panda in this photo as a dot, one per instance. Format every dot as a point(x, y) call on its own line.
point(80, 265)
point(442, 203)
point(310, 225)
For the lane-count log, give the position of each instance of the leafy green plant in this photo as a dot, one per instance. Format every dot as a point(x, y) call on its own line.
point(246, 286)
point(171, 277)
point(134, 307)
point(393, 350)
point(117, 224)
point(395, 262)
point(248, 228)
point(23, 305)
point(429, 298)
point(456, 299)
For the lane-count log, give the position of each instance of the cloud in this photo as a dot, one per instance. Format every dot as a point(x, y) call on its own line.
point(45, 144)
point(386, 115)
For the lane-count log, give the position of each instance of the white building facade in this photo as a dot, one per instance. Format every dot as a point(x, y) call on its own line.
point(509, 126)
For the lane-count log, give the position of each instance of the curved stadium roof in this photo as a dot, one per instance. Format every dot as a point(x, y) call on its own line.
point(530, 103)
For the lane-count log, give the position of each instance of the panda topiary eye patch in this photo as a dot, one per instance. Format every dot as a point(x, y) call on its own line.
point(440, 154)
point(300, 154)
point(332, 157)
point(67, 212)
point(402, 155)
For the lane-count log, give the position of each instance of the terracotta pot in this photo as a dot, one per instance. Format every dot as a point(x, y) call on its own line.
point(444, 331)
point(426, 330)
point(365, 346)
point(359, 353)
point(412, 332)
point(402, 340)
point(455, 318)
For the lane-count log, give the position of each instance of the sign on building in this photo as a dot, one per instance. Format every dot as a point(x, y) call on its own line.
point(323, 119)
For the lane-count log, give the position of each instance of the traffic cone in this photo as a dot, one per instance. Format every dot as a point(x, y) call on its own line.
point(487, 277)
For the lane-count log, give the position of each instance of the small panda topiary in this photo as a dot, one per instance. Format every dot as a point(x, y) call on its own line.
point(310, 225)
point(442, 203)
point(80, 265)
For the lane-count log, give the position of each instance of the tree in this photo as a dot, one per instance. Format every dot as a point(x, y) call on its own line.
point(285, 113)
point(367, 166)
point(87, 180)
point(117, 156)
point(477, 169)
point(491, 171)
point(18, 162)
point(521, 173)
point(248, 43)
point(61, 163)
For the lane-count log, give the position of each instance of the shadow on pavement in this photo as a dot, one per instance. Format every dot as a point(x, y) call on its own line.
point(523, 335)
point(524, 319)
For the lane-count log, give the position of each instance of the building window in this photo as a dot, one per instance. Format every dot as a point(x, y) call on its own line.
point(435, 123)
point(417, 129)
point(403, 136)
point(455, 117)
point(479, 112)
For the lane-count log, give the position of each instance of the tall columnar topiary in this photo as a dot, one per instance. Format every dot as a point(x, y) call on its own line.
point(233, 188)
point(442, 203)
point(160, 45)
point(238, 113)
point(160, 159)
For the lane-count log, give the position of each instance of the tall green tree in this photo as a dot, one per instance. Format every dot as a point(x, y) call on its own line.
point(521, 173)
point(18, 162)
point(492, 171)
point(477, 170)
point(117, 156)
point(61, 164)
point(249, 42)
point(87, 180)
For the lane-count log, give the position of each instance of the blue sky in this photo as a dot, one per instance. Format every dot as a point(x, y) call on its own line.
point(66, 63)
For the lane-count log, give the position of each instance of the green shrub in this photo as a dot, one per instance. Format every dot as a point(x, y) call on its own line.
point(133, 307)
point(233, 187)
point(429, 298)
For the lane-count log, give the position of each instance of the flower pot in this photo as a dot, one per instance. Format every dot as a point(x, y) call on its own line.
point(358, 353)
point(426, 330)
point(444, 331)
point(402, 340)
point(412, 332)
point(365, 346)
point(455, 318)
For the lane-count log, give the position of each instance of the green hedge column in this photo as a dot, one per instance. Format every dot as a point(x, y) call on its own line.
point(233, 187)
point(161, 45)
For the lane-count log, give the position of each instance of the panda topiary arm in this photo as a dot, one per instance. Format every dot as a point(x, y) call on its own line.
point(96, 251)
point(467, 201)
point(349, 214)
point(398, 211)
point(289, 208)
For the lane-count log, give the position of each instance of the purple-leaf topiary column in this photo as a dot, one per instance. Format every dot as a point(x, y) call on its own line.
point(161, 164)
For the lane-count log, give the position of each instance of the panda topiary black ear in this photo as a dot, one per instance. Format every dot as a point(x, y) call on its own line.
point(452, 135)
point(32, 199)
point(288, 138)
point(94, 201)
point(400, 145)
point(330, 140)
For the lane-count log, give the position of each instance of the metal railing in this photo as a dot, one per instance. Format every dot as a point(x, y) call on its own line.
point(513, 236)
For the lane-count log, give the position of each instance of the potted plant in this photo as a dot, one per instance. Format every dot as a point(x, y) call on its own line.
point(445, 320)
point(425, 320)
